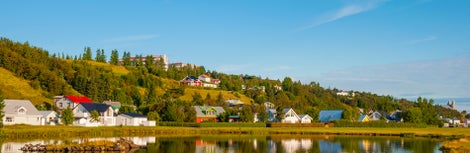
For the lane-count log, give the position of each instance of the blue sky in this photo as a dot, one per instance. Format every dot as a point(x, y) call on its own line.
point(403, 48)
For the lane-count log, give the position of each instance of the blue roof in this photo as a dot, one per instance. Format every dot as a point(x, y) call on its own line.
point(134, 114)
point(330, 115)
point(101, 108)
point(362, 117)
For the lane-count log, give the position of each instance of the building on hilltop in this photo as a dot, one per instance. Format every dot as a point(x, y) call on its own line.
point(181, 65)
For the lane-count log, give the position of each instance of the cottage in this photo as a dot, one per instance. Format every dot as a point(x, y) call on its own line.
point(20, 112)
point(208, 113)
point(114, 104)
point(82, 114)
point(290, 116)
point(50, 117)
point(272, 113)
point(191, 81)
point(205, 78)
point(330, 115)
point(305, 118)
point(133, 119)
point(64, 102)
point(268, 105)
point(375, 116)
point(364, 118)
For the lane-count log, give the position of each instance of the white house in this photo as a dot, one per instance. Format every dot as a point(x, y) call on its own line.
point(290, 116)
point(305, 118)
point(50, 117)
point(20, 112)
point(64, 102)
point(375, 116)
point(133, 119)
point(82, 114)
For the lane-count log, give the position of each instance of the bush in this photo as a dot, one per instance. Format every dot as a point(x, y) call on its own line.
point(233, 124)
point(181, 124)
point(298, 125)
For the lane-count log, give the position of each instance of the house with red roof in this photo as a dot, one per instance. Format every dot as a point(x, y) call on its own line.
point(64, 102)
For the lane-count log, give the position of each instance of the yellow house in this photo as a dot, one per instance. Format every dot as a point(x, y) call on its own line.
point(364, 118)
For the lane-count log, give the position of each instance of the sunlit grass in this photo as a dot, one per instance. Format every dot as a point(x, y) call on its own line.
point(189, 92)
point(13, 87)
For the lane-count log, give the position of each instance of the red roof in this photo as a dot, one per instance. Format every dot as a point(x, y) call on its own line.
point(79, 99)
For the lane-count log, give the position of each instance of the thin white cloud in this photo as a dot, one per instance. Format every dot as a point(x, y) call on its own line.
point(232, 68)
point(132, 38)
point(432, 78)
point(421, 40)
point(279, 68)
point(345, 11)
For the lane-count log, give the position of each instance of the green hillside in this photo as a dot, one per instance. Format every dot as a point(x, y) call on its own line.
point(29, 72)
point(13, 87)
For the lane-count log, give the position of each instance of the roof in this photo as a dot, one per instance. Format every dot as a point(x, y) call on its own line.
point(362, 117)
point(301, 116)
point(201, 109)
point(79, 99)
point(286, 110)
point(330, 115)
point(135, 115)
point(12, 106)
point(46, 113)
point(95, 106)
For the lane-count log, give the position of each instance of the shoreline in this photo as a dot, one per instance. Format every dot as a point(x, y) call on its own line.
point(454, 139)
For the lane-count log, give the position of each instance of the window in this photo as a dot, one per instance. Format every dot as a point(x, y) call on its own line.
point(21, 111)
point(9, 119)
point(61, 105)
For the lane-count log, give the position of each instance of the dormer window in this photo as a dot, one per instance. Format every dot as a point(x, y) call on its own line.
point(22, 111)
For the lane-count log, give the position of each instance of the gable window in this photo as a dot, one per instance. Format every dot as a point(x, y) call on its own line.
point(21, 111)
point(9, 119)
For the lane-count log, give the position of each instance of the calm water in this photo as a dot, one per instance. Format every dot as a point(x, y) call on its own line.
point(266, 144)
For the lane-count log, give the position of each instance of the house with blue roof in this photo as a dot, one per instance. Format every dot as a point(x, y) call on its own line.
point(326, 116)
point(82, 114)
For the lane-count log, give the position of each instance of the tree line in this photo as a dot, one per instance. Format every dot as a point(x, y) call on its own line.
point(143, 86)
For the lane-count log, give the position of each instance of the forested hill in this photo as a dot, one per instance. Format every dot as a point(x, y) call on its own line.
point(29, 72)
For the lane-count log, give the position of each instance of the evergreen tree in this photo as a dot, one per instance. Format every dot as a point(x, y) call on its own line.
point(114, 57)
point(87, 54)
point(98, 55)
point(67, 116)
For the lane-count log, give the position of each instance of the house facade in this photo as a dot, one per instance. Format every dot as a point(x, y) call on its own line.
point(64, 102)
point(208, 113)
point(191, 81)
point(290, 116)
point(82, 114)
point(21, 112)
point(50, 117)
point(133, 119)
point(305, 118)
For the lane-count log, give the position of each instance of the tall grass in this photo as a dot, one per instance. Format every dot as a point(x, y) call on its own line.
point(13, 87)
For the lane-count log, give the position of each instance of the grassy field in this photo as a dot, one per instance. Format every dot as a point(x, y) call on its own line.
point(13, 87)
point(22, 131)
point(189, 92)
point(455, 139)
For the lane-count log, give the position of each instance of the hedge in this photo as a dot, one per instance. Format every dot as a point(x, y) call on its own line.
point(299, 125)
point(382, 124)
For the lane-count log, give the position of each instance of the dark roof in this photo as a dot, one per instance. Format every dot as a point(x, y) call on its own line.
point(329, 115)
point(133, 114)
point(95, 106)
point(193, 77)
point(79, 99)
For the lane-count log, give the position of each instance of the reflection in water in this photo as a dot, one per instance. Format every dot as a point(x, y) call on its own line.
point(264, 144)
